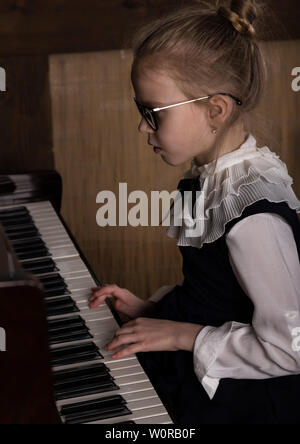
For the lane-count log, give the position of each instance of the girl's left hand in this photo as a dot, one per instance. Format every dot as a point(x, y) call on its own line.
point(148, 334)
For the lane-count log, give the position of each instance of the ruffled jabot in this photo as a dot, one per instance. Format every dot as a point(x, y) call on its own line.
point(241, 178)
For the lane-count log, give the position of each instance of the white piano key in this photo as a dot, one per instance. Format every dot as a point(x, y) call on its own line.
point(60, 252)
point(70, 266)
point(158, 419)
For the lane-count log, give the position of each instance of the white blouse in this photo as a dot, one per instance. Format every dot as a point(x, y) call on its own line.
point(269, 273)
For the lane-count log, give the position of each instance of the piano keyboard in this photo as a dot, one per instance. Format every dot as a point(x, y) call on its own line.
point(90, 387)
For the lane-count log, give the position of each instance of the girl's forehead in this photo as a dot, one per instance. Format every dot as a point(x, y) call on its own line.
point(155, 76)
point(153, 81)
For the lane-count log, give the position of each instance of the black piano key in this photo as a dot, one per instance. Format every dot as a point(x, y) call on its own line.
point(58, 324)
point(55, 286)
point(73, 374)
point(62, 311)
point(78, 336)
point(21, 229)
point(61, 306)
point(33, 254)
point(75, 353)
point(41, 266)
point(68, 330)
point(95, 410)
point(92, 404)
point(27, 248)
point(23, 235)
point(70, 335)
point(28, 244)
point(101, 380)
point(16, 221)
point(56, 292)
point(65, 300)
point(53, 278)
point(20, 211)
point(84, 388)
point(97, 416)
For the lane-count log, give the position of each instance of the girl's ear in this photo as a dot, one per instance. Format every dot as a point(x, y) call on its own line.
point(219, 108)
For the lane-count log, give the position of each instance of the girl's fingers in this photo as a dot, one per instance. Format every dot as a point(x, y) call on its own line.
point(98, 300)
point(121, 340)
point(130, 350)
point(124, 331)
point(114, 290)
point(95, 291)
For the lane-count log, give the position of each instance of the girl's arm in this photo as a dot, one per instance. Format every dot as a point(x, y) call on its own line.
point(264, 258)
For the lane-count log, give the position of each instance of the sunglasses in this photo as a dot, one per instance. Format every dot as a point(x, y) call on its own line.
point(149, 113)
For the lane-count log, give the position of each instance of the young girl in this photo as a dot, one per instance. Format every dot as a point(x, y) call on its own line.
point(222, 346)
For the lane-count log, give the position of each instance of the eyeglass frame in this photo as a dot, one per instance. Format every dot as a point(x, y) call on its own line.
point(155, 110)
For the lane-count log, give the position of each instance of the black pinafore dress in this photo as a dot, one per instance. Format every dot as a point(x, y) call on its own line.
point(211, 295)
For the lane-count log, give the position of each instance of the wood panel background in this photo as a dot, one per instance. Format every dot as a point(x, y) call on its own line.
point(60, 26)
point(25, 116)
point(97, 146)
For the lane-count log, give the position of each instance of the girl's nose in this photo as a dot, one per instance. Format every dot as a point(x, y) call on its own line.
point(144, 127)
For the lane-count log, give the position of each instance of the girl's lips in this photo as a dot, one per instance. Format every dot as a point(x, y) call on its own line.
point(157, 150)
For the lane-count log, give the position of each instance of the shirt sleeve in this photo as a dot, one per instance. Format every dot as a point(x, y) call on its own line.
point(264, 258)
point(162, 291)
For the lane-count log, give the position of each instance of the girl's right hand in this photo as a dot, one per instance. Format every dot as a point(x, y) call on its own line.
point(126, 302)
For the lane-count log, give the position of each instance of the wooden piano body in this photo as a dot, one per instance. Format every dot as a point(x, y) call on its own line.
point(25, 372)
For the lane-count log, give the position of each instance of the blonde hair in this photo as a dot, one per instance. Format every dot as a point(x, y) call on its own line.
point(207, 48)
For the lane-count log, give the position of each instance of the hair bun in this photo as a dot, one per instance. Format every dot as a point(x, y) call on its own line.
point(241, 24)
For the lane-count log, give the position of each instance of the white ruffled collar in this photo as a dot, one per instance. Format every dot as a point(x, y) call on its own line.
point(248, 150)
point(241, 178)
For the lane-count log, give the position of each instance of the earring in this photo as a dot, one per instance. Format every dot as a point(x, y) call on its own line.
point(214, 131)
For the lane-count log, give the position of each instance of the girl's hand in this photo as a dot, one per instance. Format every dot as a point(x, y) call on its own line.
point(147, 334)
point(126, 302)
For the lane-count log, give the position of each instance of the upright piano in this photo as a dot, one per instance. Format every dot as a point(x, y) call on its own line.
point(54, 368)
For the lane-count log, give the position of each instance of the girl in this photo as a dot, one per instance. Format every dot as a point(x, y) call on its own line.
point(222, 346)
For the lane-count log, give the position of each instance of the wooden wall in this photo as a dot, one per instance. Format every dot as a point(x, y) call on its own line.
point(25, 116)
point(60, 26)
point(97, 146)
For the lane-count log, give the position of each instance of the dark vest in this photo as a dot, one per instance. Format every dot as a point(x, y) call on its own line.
point(210, 293)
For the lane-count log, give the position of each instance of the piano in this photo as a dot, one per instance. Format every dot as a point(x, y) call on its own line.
point(44, 288)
